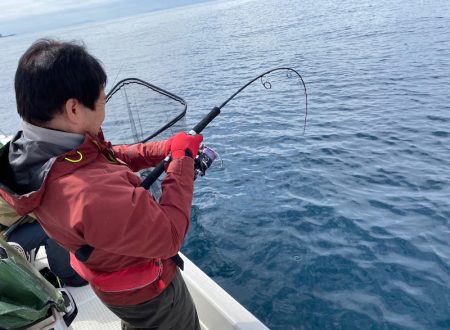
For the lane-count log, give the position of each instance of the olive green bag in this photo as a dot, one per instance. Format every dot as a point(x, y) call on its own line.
point(9, 219)
point(7, 215)
point(25, 295)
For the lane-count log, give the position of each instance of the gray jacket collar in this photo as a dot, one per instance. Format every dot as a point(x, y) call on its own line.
point(66, 140)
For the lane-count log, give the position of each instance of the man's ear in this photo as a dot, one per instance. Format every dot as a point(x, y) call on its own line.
point(72, 110)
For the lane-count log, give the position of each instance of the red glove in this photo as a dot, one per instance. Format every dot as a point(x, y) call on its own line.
point(185, 145)
point(168, 145)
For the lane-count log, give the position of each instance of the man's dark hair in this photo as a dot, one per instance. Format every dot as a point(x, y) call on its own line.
point(51, 72)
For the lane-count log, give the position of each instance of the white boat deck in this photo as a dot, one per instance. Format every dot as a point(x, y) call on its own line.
point(216, 308)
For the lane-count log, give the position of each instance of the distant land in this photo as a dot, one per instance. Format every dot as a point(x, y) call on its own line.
point(6, 35)
point(98, 12)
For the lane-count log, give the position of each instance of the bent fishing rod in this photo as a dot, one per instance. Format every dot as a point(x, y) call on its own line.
point(197, 129)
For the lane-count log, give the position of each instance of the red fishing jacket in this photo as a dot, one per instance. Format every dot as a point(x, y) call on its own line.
point(92, 196)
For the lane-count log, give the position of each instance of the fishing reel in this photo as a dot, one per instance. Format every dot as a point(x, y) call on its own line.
point(204, 160)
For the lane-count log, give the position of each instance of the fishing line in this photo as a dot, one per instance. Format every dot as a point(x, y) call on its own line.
point(130, 115)
point(118, 72)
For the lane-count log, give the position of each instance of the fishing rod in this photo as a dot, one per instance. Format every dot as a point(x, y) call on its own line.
point(207, 156)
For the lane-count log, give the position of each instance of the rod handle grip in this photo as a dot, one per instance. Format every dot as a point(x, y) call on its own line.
point(206, 120)
point(155, 173)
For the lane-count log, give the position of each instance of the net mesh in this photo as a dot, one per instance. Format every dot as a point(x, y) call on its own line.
point(136, 110)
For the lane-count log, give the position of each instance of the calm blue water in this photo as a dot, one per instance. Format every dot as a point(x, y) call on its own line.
point(345, 227)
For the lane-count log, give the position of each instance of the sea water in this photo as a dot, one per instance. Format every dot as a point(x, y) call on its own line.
point(343, 227)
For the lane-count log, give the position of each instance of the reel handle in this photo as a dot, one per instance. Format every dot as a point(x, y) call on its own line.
point(159, 169)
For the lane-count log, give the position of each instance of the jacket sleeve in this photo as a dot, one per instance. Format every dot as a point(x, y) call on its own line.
point(116, 215)
point(141, 155)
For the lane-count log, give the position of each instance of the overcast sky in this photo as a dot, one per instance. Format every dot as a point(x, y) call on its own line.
point(23, 16)
point(14, 9)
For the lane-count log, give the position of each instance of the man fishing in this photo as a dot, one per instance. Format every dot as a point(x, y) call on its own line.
point(86, 196)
